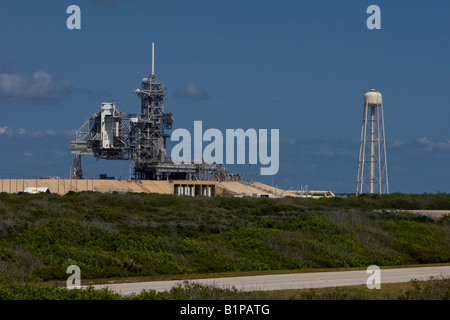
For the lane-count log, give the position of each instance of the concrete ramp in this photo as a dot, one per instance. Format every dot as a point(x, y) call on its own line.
point(250, 189)
point(221, 188)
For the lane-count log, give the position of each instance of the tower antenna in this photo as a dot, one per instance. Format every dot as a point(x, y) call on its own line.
point(153, 58)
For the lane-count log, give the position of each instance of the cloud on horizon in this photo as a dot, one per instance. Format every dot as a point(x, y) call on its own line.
point(331, 163)
point(21, 132)
point(421, 144)
point(40, 89)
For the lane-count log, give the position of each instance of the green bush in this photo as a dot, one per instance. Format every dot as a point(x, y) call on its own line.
point(130, 235)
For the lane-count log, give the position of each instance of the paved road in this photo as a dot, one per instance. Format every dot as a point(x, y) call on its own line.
point(429, 213)
point(291, 281)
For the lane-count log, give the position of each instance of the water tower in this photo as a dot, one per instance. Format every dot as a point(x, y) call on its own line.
point(372, 168)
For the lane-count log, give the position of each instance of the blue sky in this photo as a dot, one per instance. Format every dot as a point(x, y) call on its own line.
point(298, 66)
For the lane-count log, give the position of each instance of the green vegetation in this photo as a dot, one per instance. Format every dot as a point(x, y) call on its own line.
point(152, 235)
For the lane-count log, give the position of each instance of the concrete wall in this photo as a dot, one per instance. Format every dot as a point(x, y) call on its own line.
point(216, 188)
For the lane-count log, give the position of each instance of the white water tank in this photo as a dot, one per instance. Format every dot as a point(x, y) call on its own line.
point(373, 98)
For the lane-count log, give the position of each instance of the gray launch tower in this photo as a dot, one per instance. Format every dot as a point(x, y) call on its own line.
point(147, 137)
point(114, 135)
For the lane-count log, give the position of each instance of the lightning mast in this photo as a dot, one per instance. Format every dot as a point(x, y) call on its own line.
point(147, 136)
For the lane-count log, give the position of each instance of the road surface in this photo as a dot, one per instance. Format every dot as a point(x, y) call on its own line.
point(429, 213)
point(291, 281)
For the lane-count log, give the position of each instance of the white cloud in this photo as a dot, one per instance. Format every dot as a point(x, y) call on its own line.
point(396, 144)
point(191, 91)
point(21, 132)
point(424, 141)
point(41, 88)
point(36, 134)
point(434, 145)
point(288, 141)
point(442, 145)
point(51, 132)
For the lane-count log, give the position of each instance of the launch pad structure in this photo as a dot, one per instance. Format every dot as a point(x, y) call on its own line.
point(140, 138)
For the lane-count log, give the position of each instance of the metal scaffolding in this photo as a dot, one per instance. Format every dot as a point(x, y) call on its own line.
point(114, 135)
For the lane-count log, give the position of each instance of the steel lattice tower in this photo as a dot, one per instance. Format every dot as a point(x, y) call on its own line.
point(372, 169)
point(114, 135)
point(147, 136)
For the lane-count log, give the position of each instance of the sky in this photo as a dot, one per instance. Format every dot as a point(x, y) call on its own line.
point(298, 66)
